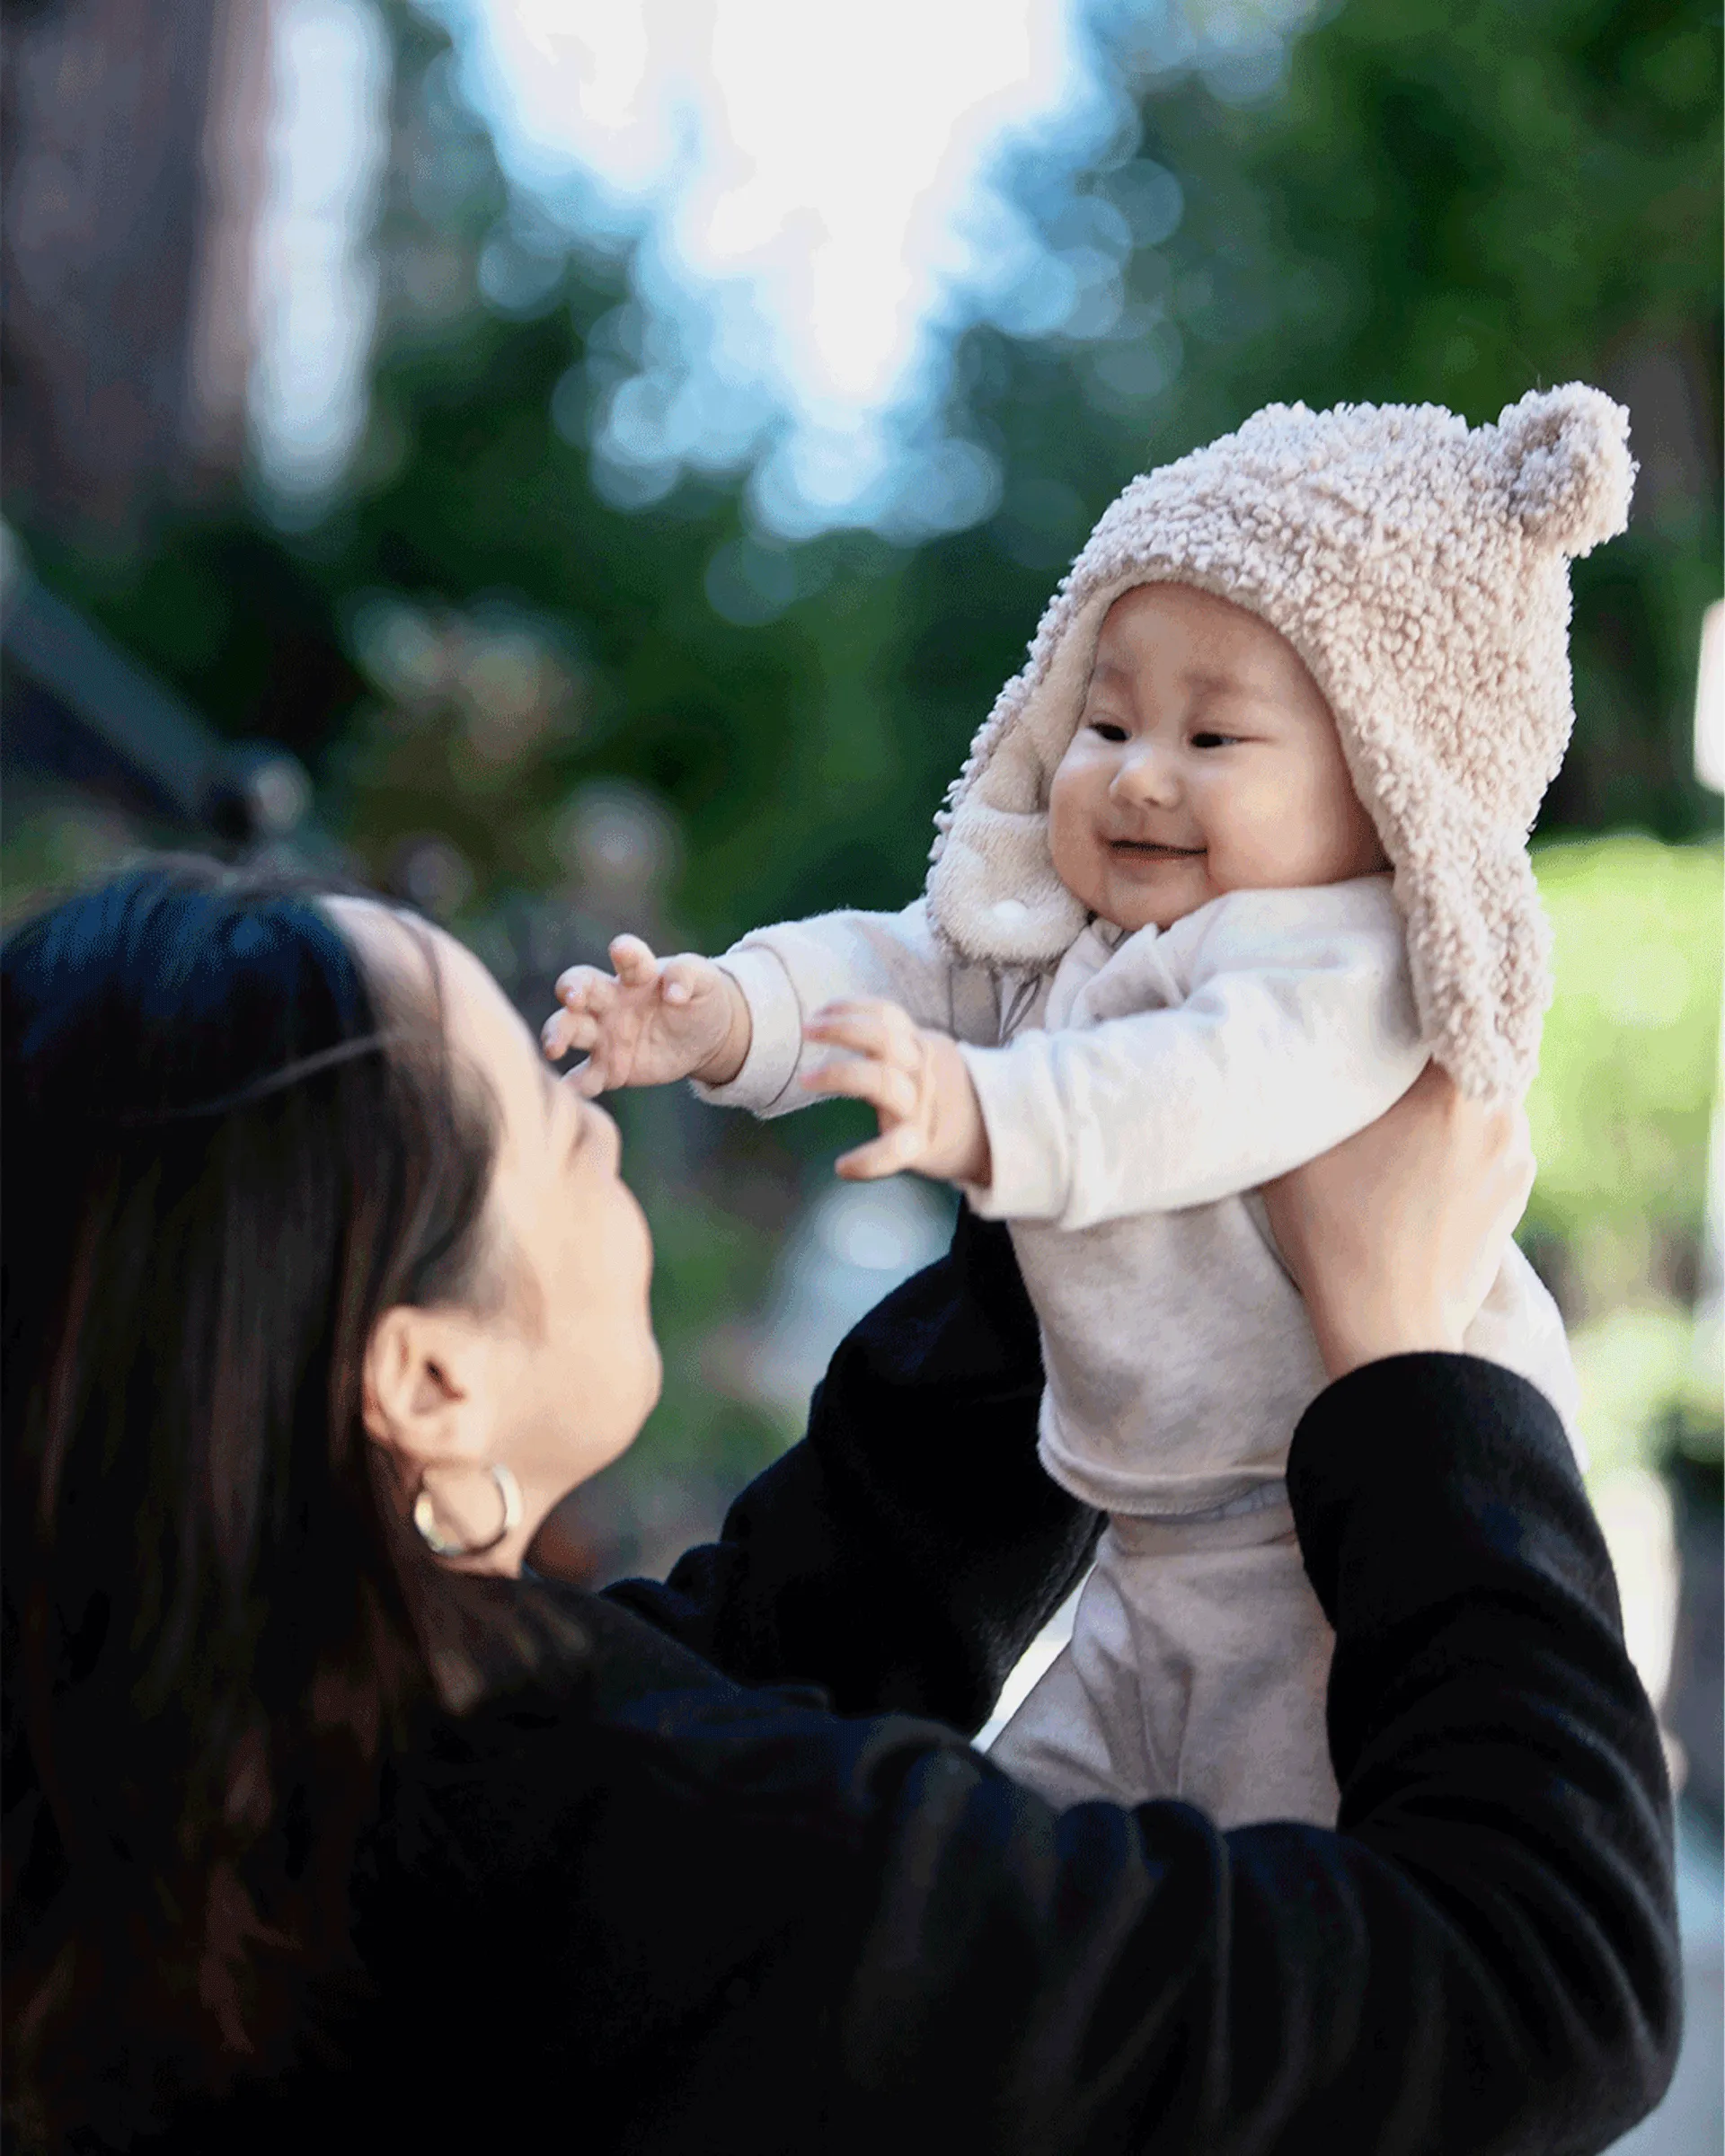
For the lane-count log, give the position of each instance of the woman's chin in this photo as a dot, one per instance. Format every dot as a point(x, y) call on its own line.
point(655, 1390)
point(652, 1391)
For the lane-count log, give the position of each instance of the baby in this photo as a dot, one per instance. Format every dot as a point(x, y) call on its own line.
point(1241, 848)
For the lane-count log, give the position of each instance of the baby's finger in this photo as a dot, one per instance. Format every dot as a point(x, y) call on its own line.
point(554, 1037)
point(876, 1007)
point(588, 1078)
point(865, 1029)
point(678, 982)
point(636, 966)
point(575, 1030)
point(887, 1089)
point(888, 1154)
point(585, 986)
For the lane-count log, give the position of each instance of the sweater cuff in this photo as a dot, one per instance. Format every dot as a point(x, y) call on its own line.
point(775, 1036)
point(1029, 1169)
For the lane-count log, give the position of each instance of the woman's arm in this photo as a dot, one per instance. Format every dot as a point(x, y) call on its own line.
point(915, 1950)
point(908, 1550)
point(730, 1920)
point(1484, 1958)
point(905, 1554)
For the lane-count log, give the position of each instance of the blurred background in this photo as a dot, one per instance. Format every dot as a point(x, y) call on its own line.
point(582, 464)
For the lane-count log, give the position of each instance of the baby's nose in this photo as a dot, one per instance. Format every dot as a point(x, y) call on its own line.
point(1146, 773)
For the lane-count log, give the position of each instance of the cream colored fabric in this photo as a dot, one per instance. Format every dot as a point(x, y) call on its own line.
point(1421, 569)
point(1178, 1065)
point(1197, 1669)
point(1151, 1083)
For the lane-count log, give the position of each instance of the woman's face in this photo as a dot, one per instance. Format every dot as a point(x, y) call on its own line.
point(553, 1376)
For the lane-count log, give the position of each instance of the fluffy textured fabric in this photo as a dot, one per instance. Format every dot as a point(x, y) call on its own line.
point(1419, 567)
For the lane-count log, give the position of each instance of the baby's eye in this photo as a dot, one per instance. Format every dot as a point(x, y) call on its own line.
point(1107, 729)
point(1210, 741)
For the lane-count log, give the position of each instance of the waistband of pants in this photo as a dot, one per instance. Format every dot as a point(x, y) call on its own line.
point(1263, 1515)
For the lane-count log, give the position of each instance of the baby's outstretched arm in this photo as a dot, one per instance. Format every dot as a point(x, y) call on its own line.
point(915, 1079)
point(655, 1021)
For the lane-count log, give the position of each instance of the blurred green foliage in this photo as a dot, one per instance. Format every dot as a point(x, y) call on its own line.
point(1620, 1113)
point(523, 709)
point(1440, 203)
point(1644, 1390)
point(1630, 1058)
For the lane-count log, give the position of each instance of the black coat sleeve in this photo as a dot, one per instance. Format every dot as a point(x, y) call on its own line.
point(1483, 1958)
point(729, 1919)
point(905, 1553)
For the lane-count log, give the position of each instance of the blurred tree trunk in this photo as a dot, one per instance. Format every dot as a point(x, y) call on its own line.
point(132, 146)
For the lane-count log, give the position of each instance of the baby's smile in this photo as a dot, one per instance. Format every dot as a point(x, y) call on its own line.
point(1149, 864)
point(1204, 761)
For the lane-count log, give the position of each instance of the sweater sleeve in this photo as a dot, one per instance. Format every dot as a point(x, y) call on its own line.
point(905, 1553)
point(788, 972)
point(1298, 1030)
point(1484, 1957)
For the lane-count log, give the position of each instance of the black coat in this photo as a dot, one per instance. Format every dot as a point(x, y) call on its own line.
point(677, 1910)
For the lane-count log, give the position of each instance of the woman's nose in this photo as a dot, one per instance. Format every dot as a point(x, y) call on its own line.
point(602, 1131)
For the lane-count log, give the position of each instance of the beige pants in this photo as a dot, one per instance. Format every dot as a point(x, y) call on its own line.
point(1197, 1669)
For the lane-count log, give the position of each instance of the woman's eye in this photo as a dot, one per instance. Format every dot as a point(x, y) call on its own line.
point(1107, 729)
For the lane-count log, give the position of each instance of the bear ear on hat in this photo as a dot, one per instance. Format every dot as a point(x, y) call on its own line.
point(1569, 473)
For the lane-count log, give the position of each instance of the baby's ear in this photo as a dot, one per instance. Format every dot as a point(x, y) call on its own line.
point(1566, 461)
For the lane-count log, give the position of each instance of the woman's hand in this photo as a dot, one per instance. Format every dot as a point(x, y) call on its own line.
point(655, 1021)
point(1395, 1235)
point(915, 1081)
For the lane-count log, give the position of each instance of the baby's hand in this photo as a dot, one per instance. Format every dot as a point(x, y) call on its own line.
point(915, 1081)
point(657, 1021)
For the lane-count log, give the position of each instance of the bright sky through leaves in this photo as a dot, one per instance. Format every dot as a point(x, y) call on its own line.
point(814, 201)
point(813, 186)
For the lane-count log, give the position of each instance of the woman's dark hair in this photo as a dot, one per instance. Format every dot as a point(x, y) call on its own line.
point(222, 1161)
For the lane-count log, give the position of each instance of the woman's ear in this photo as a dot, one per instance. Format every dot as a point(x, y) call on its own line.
point(423, 1396)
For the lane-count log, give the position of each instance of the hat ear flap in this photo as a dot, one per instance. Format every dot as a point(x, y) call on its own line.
point(1566, 459)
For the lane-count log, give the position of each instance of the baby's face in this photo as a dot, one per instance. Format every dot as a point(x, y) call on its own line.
point(1204, 761)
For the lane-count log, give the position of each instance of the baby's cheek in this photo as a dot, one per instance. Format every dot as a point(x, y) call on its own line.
point(1074, 848)
point(1262, 829)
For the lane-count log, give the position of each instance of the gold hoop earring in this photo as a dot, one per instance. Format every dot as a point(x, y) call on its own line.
point(425, 1516)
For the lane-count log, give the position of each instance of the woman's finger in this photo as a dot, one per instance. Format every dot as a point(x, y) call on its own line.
point(886, 1088)
point(1395, 1235)
point(636, 966)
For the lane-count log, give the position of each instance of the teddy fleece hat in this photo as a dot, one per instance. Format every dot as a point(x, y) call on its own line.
point(1419, 567)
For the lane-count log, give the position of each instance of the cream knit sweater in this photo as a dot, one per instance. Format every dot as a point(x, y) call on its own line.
point(1135, 1099)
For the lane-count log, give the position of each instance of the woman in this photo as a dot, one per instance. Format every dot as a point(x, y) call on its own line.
point(324, 1816)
